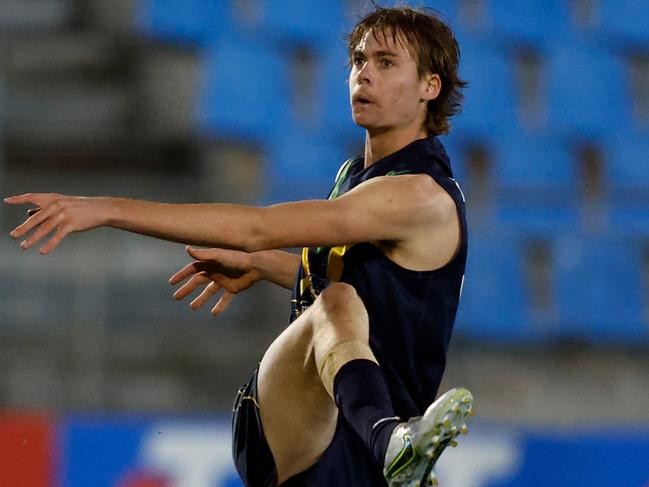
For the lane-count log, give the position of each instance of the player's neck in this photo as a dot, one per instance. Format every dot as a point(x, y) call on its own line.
point(380, 144)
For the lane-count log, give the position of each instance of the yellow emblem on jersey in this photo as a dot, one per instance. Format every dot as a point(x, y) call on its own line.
point(335, 262)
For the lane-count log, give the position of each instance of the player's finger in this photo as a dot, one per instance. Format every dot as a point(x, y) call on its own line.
point(187, 288)
point(210, 290)
point(21, 199)
point(223, 303)
point(203, 254)
point(45, 227)
point(54, 241)
point(189, 270)
point(30, 223)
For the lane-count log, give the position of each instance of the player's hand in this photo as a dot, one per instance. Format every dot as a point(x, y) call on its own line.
point(218, 269)
point(59, 214)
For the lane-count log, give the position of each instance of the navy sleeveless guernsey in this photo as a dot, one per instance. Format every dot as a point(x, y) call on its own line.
point(411, 313)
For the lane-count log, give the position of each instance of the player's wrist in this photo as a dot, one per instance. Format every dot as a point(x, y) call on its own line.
point(257, 264)
point(112, 212)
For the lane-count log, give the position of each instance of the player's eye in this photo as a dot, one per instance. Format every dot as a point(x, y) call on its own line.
point(358, 61)
point(386, 63)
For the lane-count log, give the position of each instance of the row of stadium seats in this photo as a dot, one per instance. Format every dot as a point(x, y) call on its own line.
point(584, 89)
point(625, 22)
point(199, 22)
point(552, 163)
point(572, 287)
point(596, 96)
point(543, 184)
point(202, 22)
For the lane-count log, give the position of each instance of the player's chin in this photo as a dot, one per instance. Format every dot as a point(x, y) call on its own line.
point(362, 121)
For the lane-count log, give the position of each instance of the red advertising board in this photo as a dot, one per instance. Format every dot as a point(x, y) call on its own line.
point(26, 450)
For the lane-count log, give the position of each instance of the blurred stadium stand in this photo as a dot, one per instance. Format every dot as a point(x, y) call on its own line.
point(625, 21)
point(202, 100)
point(591, 100)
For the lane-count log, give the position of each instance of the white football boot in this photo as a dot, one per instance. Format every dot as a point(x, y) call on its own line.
point(415, 446)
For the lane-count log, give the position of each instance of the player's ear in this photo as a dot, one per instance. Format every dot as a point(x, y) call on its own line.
point(432, 87)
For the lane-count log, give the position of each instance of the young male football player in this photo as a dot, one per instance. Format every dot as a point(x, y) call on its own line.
point(343, 396)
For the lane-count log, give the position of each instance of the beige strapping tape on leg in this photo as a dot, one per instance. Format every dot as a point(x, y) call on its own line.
point(338, 356)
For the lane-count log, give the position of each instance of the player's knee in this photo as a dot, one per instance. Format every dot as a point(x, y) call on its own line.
point(340, 297)
point(339, 292)
point(339, 314)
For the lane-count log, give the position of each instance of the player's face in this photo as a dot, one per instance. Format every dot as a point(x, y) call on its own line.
point(385, 90)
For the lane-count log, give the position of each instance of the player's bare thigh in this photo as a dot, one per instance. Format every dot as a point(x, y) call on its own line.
point(298, 416)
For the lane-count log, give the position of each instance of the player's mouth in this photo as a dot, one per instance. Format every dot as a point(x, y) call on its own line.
point(362, 100)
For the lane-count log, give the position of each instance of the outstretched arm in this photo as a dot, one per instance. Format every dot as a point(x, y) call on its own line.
point(383, 208)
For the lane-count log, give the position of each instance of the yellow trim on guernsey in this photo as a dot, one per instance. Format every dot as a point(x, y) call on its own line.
point(335, 263)
point(305, 260)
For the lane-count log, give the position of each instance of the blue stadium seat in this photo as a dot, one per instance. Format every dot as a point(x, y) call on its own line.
point(316, 22)
point(494, 300)
point(601, 293)
point(529, 21)
point(626, 157)
point(536, 184)
point(586, 90)
point(627, 176)
point(490, 100)
point(196, 22)
point(627, 20)
point(301, 165)
point(333, 95)
point(245, 91)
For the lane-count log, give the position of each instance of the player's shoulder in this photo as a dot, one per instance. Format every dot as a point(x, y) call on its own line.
point(421, 186)
point(416, 192)
point(428, 194)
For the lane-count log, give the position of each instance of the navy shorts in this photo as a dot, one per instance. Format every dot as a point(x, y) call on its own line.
point(252, 456)
point(250, 451)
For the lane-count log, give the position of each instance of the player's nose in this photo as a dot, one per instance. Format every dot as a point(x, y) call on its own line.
point(364, 75)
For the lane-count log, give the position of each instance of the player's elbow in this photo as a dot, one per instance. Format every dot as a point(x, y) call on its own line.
point(268, 228)
point(254, 234)
point(257, 239)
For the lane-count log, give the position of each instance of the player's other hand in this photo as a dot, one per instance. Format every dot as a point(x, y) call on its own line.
point(57, 213)
point(217, 269)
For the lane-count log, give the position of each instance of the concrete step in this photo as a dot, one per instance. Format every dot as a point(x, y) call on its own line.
point(67, 112)
point(35, 15)
point(51, 54)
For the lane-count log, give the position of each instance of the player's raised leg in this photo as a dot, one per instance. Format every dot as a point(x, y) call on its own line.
point(324, 355)
point(298, 413)
point(407, 450)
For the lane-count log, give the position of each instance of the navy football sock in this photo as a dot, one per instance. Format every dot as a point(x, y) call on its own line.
point(362, 395)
